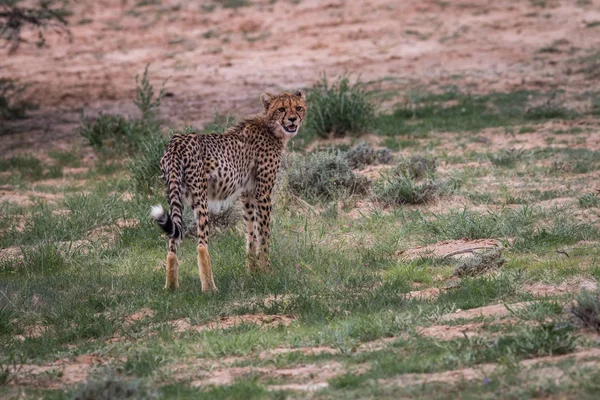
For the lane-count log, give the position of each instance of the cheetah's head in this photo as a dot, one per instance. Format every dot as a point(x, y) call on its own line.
point(286, 111)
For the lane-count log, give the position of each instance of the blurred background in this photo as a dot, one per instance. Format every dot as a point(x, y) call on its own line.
point(219, 55)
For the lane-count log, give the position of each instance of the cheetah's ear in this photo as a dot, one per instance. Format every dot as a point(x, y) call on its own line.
point(266, 100)
point(300, 93)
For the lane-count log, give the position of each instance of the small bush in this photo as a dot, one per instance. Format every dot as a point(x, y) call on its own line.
point(587, 310)
point(11, 105)
point(109, 386)
point(399, 189)
point(508, 158)
point(402, 186)
point(145, 100)
point(26, 165)
point(323, 176)
point(145, 166)
point(121, 134)
point(416, 167)
point(546, 339)
point(549, 111)
point(589, 200)
point(109, 131)
point(363, 154)
point(339, 109)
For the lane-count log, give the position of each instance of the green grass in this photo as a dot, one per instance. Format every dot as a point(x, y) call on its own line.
point(340, 108)
point(76, 273)
point(589, 200)
point(454, 111)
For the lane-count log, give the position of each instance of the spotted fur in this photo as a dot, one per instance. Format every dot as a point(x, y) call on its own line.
point(211, 171)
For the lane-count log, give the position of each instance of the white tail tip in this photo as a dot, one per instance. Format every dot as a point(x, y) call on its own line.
point(157, 212)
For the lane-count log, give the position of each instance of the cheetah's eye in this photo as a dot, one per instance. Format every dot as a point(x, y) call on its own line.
point(281, 109)
point(298, 108)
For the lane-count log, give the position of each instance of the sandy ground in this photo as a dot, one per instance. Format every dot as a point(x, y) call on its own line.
point(223, 59)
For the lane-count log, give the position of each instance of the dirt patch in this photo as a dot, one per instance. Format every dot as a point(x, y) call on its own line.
point(480, 372)
point(496, 310)
point(425, 294)
point(32, 331)
point(311, 374)
point(262, 320)
point(140, 315)
point(572, 286)
point(10, 253)
point(28, 198)
point(449, 332)
point(59, 373)
point(309, 351)
point(301, 387)
point(449, 248)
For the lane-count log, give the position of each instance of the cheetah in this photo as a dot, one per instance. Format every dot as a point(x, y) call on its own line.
point(211, 171)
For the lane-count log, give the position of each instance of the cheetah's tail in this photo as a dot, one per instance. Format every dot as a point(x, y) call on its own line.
point(165, 221)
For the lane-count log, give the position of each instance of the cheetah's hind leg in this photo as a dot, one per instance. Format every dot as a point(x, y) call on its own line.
point(172, 281)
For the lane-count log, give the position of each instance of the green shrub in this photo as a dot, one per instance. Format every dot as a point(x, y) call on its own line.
point(11, 107)
point(589, 200)
point(416, 167)
point(323, 176)
point(145, 166)
point(145, 100)
point(508, 158)
point(398, 189)
point(363, 154)
point(26, 165)
point(587, 310)
point(340, 109)
point(549, 111)
point(109, 386)
point(403, 184)
point(121, 135)
point(109, 131)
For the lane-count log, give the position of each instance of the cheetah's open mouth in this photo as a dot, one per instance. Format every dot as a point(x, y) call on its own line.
point(291, 128)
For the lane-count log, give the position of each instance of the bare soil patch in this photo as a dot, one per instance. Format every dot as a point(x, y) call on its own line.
point(571, 286)
point(307, 375)
point(309, 351)
point(480, 372)
point(496, 310)
point(262, 320)
point(28, 198)
point(59, 373)
point(425, 294)
point(449, 248)
point(222, 60)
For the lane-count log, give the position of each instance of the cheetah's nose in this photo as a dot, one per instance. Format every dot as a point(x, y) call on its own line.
point(292, 119)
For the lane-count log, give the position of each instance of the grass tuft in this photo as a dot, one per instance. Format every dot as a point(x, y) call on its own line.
point(587, 310)
point(589, 200)
point(339, 109)
point(399, 189)
point(108, 385)
point(363, 154)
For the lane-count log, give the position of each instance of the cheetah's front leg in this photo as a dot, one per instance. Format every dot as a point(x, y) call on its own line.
point(251, 231)
point(264, 227)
